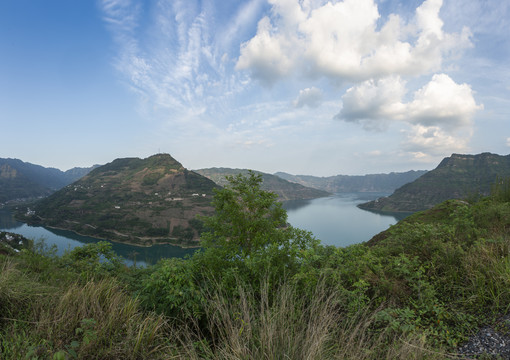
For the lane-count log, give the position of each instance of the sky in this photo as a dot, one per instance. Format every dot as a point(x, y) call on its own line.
point(303, 86)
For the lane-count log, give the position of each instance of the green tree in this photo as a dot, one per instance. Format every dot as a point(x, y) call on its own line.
point(246, 218)
point(250, 229)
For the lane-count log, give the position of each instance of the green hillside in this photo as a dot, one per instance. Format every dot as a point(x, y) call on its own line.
point(14, 185)
point(285, 190)
point(22, 181)
point(456, 177)
point(140, 201)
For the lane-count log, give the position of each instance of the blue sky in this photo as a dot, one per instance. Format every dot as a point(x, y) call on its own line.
point(307, 87)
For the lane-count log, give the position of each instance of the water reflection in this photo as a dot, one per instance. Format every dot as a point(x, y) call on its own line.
point(7, 221)
point(336, 220)
point(67, 240)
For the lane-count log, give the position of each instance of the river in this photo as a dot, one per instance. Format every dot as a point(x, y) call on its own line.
point(335, 220)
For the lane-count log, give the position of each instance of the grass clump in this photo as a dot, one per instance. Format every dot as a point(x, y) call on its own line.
point(92, 319)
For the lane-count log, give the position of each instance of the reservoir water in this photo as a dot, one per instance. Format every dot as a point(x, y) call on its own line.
point(67, 240)
point(335, 220)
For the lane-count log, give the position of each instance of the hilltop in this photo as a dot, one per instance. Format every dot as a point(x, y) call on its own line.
point(139, 201)
point(456, 177)
point(25, 181)
point(285, 190)
point(355, 183)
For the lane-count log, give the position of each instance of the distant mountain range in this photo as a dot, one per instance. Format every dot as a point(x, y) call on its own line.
point(355, 183)
point(456, 177)
point(138, 201)
point(21, 180)
point(284, 189)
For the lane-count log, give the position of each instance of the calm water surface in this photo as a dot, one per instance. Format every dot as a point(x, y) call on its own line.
point(65, 240)
point(335, 220)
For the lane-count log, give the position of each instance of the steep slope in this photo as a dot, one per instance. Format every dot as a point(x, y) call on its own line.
point(456, 177)
point(15, 185)
point(355, 183)
point(284, 189)
point(22, 181)
point(140, 201)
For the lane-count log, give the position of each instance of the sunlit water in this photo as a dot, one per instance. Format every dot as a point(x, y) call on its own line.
point(335, 220)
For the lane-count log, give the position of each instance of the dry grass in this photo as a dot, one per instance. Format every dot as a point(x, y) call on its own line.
point(286, 325)
point(95, 321)
point(109, 323)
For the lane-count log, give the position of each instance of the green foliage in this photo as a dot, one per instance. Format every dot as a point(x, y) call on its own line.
point(246, 218)
point(500, 190)
point(172, 290)
point(183, 233)
point(249, 222)
point(93, 260)
point(152, 178)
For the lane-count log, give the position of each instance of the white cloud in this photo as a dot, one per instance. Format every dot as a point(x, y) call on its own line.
point(342, 40)
point(440, 113)
point(441, 102)
point(432, 141)
point(373, 102)
point(311, 97)
point(169, 54)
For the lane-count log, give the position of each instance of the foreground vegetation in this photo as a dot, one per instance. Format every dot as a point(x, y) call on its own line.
point(262, 290)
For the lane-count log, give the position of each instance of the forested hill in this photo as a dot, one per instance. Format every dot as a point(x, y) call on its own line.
point(140, 201)
point(285, 190)
point(355, 183)
point(456, 177)
point(22, 180)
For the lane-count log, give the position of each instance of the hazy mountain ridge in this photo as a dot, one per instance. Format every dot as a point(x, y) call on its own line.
point(456, 177)
point(23, 180)
point(140, 201)
point(284, 189)
point(355, 183)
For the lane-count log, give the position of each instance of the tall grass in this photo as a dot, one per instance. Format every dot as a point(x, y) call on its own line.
point(97, 320)
point(288, 325)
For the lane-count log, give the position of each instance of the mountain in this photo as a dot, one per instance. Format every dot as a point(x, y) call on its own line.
point(140, 201)
point(22, 180)
point(355, 183)
point(456, 177)
point(284, 189)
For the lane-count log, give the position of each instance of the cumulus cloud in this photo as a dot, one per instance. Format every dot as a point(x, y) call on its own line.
point(440, 113)
point(344, 41)
point(441, 102)
point(373, 102)
point(431, 141)
point(311, 97)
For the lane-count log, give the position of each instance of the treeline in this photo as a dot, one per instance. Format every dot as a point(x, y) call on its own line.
point(263, 289)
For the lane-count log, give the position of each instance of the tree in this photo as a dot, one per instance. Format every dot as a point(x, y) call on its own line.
point(250, 225)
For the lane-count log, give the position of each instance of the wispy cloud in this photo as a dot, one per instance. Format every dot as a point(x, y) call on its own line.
point(169, 54)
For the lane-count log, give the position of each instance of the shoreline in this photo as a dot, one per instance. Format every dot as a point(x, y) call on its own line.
point(121, 242)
